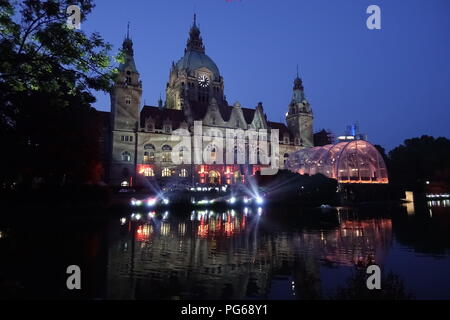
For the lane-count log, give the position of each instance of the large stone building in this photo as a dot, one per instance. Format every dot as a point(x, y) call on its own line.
point(142, 140)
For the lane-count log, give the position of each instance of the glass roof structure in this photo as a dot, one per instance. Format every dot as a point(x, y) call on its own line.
point(356, 161)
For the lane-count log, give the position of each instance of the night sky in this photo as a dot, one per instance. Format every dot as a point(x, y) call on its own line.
point(395, 82)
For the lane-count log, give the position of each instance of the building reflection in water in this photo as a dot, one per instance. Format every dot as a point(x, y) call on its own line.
point(231, 255)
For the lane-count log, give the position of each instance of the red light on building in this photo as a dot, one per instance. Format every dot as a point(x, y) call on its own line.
point(141, 168)
point(142, 233)
point(203, 229)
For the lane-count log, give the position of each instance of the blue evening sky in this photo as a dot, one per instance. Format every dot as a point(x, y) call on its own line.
point(395, 82)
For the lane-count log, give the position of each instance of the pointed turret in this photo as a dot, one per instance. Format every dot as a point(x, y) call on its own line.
point(128, 52)
point(195, 41)
point(298, 94)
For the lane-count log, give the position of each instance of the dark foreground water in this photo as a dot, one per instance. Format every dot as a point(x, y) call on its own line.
point(229, 254)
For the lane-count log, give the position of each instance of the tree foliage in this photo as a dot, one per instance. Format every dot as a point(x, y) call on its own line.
point(419, 160)
point(48, 73)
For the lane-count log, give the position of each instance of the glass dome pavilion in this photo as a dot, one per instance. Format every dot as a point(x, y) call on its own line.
point(356, 161)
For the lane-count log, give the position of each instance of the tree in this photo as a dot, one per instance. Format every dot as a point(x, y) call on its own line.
point(47, 74)
point(419, 160)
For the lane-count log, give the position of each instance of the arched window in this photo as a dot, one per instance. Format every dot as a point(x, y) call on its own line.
point(148, 172)
point(126, 156)
point(166, 153)
point(166, 172)
point(149, 153)
point(183, 173)
point(213, 154)
point(184, 155)
point(212, 149)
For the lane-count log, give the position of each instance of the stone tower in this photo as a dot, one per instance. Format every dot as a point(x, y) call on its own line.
point(127, 91)
point(126, 97)
point(300, 116)
point(195, 78)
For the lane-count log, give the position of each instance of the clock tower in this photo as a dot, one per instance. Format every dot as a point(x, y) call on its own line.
point(195, 78)
point(300, 116)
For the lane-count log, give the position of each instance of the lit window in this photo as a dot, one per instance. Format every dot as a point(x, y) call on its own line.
point(148, 172)
point(183, 173)
point(166, 172)
point(149, 154)
point(183, 151)
point(166, 154)
point(126, 156)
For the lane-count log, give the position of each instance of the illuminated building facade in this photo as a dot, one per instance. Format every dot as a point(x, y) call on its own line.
point(141, 137)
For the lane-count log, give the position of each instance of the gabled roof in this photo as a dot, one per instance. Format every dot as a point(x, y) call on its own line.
point(282, 129)
point(159, 115)
point(249, 114)
point(176, 117)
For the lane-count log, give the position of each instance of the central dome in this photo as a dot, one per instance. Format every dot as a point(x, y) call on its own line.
point(194, 60)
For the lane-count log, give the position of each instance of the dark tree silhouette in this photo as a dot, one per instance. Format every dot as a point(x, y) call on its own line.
point(47, 72)
point(419, 160)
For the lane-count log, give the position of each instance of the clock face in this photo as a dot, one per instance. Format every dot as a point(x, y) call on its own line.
point(203, 81)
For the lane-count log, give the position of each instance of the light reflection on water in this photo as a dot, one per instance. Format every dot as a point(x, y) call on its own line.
point(247, 253)
point(240, 254)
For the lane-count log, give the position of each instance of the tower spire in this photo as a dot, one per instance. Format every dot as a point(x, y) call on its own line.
point(298, 83)
point(128, 52)
point(160, 101)
point(195, 41)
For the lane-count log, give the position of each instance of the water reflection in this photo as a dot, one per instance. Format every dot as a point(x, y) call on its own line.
point(439, 203)
point(277, 253)
point(233, 255)
point(205, 255)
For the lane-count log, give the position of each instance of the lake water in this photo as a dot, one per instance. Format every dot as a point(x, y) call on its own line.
point(246, 253)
